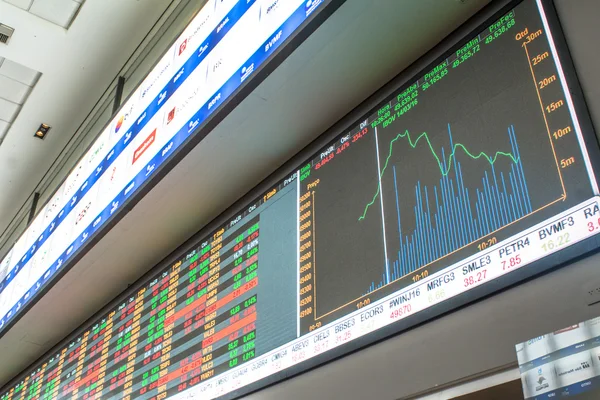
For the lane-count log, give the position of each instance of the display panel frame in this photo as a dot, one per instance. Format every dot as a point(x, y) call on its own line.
point(505, 282)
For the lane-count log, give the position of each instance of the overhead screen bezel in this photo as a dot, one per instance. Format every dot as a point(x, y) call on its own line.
point(446, 47)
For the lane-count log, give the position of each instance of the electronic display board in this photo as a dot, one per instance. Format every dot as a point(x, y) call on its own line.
point(223, 47)
point(565, 363)
point(476, 174)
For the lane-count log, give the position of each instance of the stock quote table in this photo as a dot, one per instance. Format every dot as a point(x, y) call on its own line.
point(476, 168)
point(193, 321)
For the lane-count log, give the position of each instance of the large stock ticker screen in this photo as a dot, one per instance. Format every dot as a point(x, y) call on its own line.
point(477, 168)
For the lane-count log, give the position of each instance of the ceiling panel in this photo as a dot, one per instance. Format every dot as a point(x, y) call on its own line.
point(24, 4)
point(8, 110)
point(16, 83)
point(60, 12)
point(19, 72)
point(13, 91)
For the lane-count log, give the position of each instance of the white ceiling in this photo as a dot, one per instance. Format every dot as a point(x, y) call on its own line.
point(76, 65)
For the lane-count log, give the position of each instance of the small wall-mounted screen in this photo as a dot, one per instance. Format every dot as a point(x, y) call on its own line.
point(565, 363)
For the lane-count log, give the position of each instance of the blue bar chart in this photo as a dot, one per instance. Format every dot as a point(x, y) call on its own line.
point(450, 215)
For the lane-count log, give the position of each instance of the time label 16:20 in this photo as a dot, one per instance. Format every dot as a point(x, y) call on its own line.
point(475, 169)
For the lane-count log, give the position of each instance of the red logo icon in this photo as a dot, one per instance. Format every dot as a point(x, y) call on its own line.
point(182, 46)
point(144, 146)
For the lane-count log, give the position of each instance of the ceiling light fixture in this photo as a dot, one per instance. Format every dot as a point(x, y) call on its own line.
point(42, 131)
